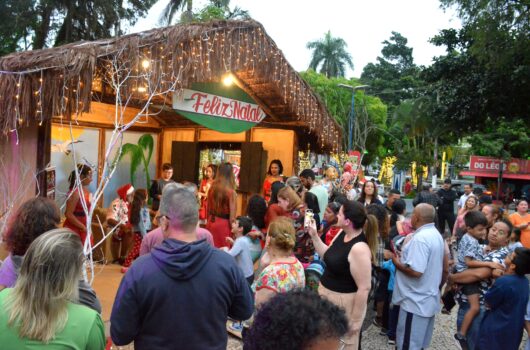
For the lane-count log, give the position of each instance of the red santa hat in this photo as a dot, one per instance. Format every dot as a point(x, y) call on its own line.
point(124, 191)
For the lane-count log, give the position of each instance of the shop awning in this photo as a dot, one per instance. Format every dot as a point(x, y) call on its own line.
point(495, 175)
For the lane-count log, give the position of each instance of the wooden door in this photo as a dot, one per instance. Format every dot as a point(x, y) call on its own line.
point(185, 161)
point(251, 175)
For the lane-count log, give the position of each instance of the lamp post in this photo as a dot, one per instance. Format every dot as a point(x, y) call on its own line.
point(351, 117)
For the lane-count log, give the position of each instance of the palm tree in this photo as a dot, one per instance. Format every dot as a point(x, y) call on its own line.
point(187, 16)
point(175, 5)
point(137, 154)
point(331, 54)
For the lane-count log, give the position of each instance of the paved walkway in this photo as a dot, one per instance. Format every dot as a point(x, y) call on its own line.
point(108, 278)
point(442, 337)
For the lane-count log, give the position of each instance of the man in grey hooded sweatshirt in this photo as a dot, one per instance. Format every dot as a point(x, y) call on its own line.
point(180, 295)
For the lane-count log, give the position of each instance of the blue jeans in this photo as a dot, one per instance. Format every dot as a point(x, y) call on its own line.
point(472, 333)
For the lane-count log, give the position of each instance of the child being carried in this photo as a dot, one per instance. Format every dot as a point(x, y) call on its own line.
point(470, 255)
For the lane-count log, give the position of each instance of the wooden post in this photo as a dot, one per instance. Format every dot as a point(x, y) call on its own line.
point(44, 135)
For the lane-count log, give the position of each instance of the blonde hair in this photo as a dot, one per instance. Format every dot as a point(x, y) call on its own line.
point(371, 231)
point(290, 195)
point(48, 280)
point(282, 234)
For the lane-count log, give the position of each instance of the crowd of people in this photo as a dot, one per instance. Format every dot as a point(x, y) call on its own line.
point(299, 270)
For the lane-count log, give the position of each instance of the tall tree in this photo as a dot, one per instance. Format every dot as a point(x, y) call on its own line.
point(369, 109)
point(502, 139)
point(173, 7)
point(16, 18)
point(331, 55)
point(216, 9)
point(418, 136)
point(484, 74)
point(395, 76)
point(38, 24)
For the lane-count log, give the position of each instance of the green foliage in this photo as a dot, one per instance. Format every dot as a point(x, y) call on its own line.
point(215, 10)
point(137, 155)
point(331, 55)
point(338, 103)
point(173, 7)
point(16, 18)
point(36, 24)
point(417, 133)
point(395, 76)
point(484, 75)
point(504, 139)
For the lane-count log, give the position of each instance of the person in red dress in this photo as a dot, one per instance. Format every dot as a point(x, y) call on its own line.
point(75, 214)
point(206, 183)
point(222, 205)
point(273, 174)
point(408, 186)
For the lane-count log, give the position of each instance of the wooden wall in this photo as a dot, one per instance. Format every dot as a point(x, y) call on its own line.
point(279, 144)
point(18, 168)
point(105, 114)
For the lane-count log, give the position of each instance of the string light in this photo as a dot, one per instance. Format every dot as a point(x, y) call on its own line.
point(247, 50)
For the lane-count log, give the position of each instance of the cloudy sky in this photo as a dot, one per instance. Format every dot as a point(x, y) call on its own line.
point(364, 25)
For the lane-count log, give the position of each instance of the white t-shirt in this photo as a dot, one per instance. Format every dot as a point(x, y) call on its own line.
point(322, 196)
point(463, 199)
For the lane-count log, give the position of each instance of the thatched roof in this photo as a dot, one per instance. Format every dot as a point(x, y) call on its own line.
point(62, 81)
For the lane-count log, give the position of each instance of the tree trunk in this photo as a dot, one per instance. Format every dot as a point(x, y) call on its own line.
point(435, 166)
point(419, 175)
point(41, 32)
point(65, 32)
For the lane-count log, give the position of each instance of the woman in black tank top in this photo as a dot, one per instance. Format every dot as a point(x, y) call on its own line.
point(346, 279)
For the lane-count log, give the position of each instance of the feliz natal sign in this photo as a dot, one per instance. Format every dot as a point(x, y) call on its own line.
point(225, 109)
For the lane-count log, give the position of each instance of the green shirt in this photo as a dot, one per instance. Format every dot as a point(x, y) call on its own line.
point(83, 330)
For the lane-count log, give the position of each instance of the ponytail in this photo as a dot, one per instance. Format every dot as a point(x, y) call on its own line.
point(371, 231)
point(393, 219)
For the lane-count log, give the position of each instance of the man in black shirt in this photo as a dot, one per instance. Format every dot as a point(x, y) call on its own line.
point(393, 194)
point(155, 192)
point(428, 196)
point(446, 211)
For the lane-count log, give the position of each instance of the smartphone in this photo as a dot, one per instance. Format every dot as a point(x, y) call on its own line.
point(308, 217)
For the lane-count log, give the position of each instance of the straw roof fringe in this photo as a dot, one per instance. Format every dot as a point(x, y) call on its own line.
point(38, 85)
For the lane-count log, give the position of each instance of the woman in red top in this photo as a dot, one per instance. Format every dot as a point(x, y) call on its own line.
point(206, 183)
point(75, 214)
point(273, 174)
point(222, 205)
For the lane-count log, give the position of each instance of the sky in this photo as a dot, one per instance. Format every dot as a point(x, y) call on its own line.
point(364, 25)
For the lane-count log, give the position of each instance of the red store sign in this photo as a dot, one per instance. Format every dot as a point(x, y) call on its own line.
point(489, 164)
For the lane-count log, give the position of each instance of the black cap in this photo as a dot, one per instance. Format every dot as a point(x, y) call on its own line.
point(447, 181)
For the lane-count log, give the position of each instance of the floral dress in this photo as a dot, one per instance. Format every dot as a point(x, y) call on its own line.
point(281, 277)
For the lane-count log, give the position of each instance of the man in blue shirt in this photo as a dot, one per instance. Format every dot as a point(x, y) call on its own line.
point(420, 271)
